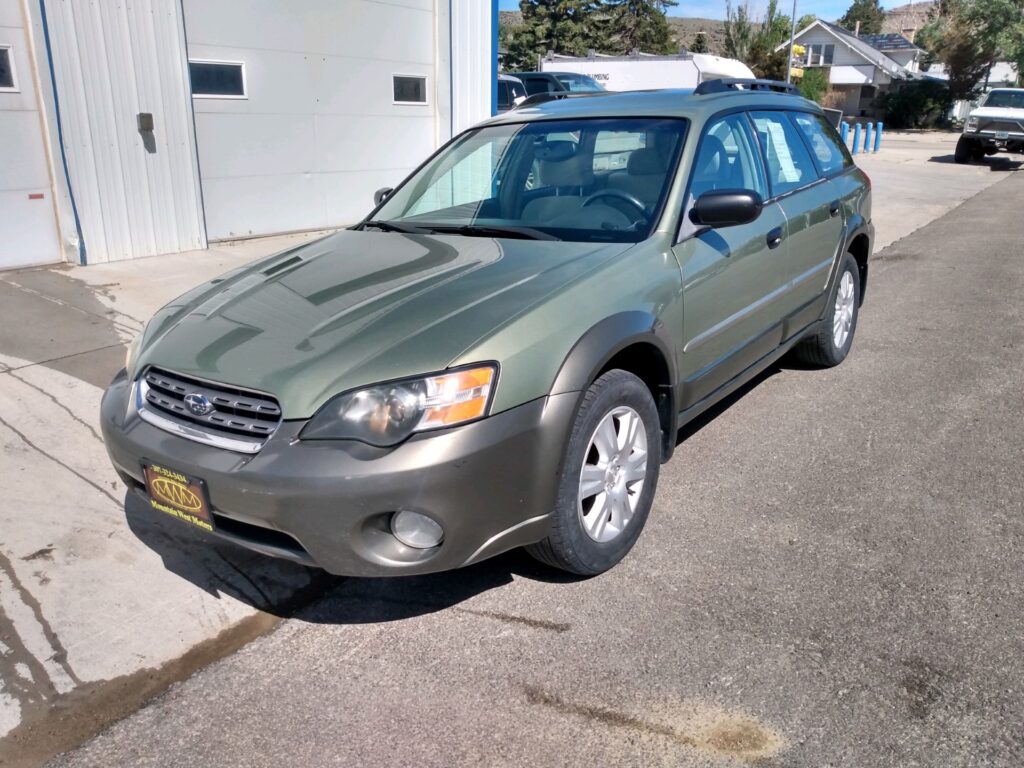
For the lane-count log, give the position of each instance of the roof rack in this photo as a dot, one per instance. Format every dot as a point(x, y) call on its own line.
point(729, 84)
point(543, 98)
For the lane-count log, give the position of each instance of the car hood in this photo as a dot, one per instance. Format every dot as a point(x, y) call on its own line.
point(356, 308)
point(1001, 113)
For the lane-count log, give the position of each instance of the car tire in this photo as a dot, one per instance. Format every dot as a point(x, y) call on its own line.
point(606, 486)
point(965, 150)
point(830, 344)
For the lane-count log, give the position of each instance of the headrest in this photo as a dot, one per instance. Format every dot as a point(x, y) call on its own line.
point(646, 162)
point(554, 151)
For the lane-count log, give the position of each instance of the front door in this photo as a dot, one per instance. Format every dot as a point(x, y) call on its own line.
point(732, 276)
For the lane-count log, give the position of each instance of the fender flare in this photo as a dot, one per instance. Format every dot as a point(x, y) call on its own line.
point(602, 341)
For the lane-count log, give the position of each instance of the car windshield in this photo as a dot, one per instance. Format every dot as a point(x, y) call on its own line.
point(579, 83)
point(1011, 99)
point(586, 180)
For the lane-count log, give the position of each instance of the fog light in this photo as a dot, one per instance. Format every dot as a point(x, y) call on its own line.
point(416, 530)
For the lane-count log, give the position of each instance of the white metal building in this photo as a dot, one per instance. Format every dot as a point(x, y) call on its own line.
point(138, 127)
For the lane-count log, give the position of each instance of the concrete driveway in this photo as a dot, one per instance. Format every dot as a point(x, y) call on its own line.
point(778, 553)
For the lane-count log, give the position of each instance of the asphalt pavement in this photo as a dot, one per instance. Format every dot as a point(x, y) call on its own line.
point(831, 576)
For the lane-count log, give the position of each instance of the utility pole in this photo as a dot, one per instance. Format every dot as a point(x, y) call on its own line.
point(789, 51)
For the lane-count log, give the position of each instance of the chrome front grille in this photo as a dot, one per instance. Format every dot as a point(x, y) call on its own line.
point(215, 414)
point(1009, 126)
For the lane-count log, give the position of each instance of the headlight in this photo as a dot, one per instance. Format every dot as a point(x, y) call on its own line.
point(386, 414)
point(132, 353)
point(972, 123)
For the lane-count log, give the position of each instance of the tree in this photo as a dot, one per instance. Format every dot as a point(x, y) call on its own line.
point(754, 43)
point(739, 32)
point(700, 43)
point(868, 12)
point(638, 25)
point(569, 27)
point(805, 21)
point(968, 36)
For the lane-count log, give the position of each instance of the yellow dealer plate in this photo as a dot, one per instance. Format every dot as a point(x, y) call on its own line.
point(178, 495)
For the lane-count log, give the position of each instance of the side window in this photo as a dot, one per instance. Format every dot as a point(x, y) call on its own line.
point(826, 146)
point(504, 95)
point(789, 165)
point(727, 159)
point(537, 85)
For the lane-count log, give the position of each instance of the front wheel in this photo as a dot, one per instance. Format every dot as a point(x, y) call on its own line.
point(830, 344)
point(608, 478)
point(966, 150)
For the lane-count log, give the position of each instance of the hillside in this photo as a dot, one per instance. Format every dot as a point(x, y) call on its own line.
point(683, 29)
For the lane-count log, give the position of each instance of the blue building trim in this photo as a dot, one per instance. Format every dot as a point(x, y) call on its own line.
point(494, 57)
point(60, 133)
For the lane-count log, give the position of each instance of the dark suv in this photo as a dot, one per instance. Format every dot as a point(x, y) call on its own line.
point(502, 353)
point(558, 82)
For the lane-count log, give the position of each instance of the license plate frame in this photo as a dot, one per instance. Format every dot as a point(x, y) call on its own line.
point(179, 495)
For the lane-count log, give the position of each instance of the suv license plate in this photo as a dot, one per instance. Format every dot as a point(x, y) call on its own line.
point(178, 495)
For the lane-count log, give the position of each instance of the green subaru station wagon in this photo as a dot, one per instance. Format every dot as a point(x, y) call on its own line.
point(503, 352)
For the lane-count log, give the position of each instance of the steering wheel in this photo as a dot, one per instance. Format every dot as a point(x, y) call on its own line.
point(633, 200)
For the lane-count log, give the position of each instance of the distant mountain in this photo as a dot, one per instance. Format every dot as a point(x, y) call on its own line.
point(908, 19)
point(684, 30)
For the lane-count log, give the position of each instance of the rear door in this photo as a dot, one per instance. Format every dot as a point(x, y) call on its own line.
point(730, 275)
point(810, 202)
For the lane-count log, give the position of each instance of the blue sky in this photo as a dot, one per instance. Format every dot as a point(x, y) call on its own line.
point(715, 9)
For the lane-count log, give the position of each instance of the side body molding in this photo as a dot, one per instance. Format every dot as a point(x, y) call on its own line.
point(602, 342)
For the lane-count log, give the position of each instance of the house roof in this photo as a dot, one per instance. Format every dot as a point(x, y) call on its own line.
point(889, 42)
point(859, 46)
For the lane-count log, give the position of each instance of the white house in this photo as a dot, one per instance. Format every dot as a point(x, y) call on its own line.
point(156, 126)
point(856, 69)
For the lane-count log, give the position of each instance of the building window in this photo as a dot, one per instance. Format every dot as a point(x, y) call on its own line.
point(217, 79)
point(820, 55)
point(8, 82)
point(410, 89)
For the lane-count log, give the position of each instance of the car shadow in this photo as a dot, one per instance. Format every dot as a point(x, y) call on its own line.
point(995, 163)
point(290, 590)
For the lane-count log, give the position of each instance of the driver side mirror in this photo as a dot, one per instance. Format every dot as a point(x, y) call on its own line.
point(726, 208)
point(382, 194)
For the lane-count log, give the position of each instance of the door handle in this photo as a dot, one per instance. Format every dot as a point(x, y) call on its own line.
point(833, 208)
point(775, 238)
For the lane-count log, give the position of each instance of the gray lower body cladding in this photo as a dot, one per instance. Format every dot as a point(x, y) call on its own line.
point(491, 485)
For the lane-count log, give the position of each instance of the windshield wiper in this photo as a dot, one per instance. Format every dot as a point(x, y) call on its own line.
point(486, 230)
point(393, 226)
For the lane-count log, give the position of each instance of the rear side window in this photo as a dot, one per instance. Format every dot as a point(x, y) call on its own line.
point(826, 146)
point(789, 165)
point(538, 85)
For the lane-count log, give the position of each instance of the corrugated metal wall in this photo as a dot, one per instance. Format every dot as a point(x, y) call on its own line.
point(28, 223)
point(318, 131)
point(137, 194)
point(472, 61)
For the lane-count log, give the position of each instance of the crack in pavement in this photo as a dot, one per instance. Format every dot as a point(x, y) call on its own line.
point(60, 302)
point(56, 402)
point(57, 461)
point(62, 357)
point(39, 688)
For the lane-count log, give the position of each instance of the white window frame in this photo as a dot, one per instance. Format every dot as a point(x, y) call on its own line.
point(14, 70)
point(426, 90)
point(232, 97)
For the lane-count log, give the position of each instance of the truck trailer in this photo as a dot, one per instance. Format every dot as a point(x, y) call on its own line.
point(641, 72)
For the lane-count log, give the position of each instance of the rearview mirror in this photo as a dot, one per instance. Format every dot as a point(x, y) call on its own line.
point(382, 194)
point(726, 208)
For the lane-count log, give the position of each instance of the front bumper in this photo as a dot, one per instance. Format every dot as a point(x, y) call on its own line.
point(1009, 141)
point(491, 485)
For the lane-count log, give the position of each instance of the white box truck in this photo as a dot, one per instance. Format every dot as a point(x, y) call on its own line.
point(643, 72)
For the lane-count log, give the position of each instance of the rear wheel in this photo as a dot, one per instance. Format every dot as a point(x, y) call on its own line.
point(830, 344)
point(608, 478)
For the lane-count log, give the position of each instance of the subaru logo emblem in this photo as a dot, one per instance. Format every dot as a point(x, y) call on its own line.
point(199, 404)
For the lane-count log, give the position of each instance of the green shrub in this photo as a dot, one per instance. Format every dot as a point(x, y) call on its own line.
point(815, 83)
point(917, 104)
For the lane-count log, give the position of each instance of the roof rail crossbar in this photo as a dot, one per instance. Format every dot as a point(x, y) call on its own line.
point(543, 98)
point(727, 84)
